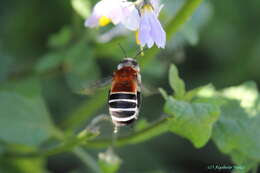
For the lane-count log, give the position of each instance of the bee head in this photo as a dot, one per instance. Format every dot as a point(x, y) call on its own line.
point(128, 62)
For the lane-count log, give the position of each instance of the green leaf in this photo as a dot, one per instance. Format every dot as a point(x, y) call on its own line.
point(109, 162)
point(80, 66)
point(24, 118)
point(163, 93)
point(82, 7)
point(194, 92)
point(243, 163)
point(22, 165)
point(85, 110)
point(193, 121)
point(5, 66)
point(50, 61)
point(2, 149)
point(176, 82)
point(141, 124)
point(246, 93)
point(237, 133)
point(61, 38)
point(207, 91)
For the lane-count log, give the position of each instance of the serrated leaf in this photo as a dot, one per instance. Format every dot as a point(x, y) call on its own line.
point(243, 163)
point(237, 132)
point(193, 121)
point(194, 92)
point(176, 82)
point(246, 93)
point(207, 91)
point(24, 118)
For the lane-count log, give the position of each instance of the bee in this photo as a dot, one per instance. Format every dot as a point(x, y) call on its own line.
point(125, 93)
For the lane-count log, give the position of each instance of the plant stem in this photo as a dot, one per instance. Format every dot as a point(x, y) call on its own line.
point(153, 130)
point(181, 17)
point(74, 145)
point(86, 159)
point(68, 143)
point(83, 139)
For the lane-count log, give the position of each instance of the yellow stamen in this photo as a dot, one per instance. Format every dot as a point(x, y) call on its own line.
point(136, 38)
point(103, 21)
point(147, 8)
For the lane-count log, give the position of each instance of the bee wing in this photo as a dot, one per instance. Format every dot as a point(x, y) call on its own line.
point(94, 86)
point(148, 90)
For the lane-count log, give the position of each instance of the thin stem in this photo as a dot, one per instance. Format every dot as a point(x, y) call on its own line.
point(84, 139)
point(87, 159)
point(142, 135)
point(152, 131)
point(182, 17)
point(70, 143)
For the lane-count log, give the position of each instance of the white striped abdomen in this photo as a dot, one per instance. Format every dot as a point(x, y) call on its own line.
point(124, 107)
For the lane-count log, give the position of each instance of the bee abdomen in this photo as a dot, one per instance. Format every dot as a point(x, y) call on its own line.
point(123, 107)
point(130, 96)
point(122, 104)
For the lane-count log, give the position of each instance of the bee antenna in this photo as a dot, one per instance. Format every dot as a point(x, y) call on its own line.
point(123, 50)
point(140, 52)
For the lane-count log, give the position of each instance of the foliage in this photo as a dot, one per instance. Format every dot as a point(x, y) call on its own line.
point(27, 122)
point(45, 62)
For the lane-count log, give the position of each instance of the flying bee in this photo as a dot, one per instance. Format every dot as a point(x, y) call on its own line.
point(124, 95)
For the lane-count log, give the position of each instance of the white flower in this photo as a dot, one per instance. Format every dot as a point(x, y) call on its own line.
point(143, 19)
point(131, 18)
point(117, 11)
point(151, 30)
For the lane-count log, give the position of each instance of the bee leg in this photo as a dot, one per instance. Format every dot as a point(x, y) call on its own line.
point(116, 129)
point(97, 120)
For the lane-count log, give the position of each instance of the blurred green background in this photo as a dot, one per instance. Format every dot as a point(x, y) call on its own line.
point(45, 43)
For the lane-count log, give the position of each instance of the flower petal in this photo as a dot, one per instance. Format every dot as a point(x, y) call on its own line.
point(131, 18)
point(92, 21)
point(144, 32)
point(157, 33)
point(115, 12)
point(111, 9)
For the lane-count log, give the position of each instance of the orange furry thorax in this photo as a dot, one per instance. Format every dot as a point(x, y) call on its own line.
point(124, 80)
